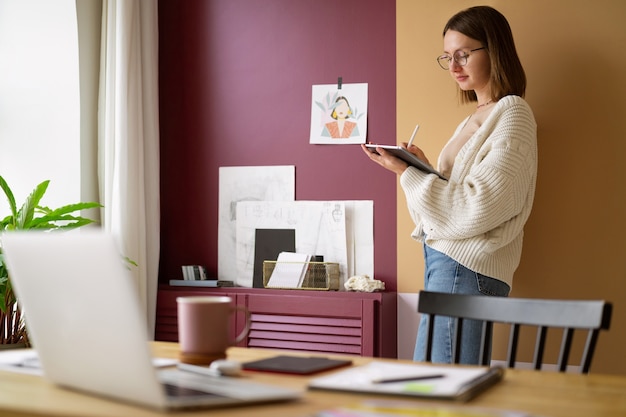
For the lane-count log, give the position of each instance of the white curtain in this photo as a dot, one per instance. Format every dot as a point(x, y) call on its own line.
point(128, 138)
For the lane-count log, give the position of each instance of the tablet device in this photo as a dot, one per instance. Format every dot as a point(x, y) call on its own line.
point(407, 157)
point(299, 365)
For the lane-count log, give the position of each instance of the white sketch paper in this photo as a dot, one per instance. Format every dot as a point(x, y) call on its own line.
point(339, 116)
point(252, 183)
point(341, 231)
point(360, 233)
point(320, 230)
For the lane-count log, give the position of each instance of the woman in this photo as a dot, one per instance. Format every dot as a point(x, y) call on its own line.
point(471, 226)
point(341, 128)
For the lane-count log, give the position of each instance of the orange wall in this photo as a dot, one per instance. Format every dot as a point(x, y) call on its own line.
point(572, 52)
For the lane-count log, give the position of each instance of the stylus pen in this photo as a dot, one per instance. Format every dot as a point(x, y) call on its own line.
point(408, 378)
point(408, 145)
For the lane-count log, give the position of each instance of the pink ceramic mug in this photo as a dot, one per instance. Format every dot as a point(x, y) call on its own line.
point(204, 328)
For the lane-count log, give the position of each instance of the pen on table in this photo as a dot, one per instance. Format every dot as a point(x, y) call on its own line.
point(408, 378)
point(408, 145)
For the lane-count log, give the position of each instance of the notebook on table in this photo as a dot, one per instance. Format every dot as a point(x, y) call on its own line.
point(459, 383)
point(85, 320)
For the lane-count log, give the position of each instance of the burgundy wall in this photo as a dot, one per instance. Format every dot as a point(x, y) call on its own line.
point(235, 90)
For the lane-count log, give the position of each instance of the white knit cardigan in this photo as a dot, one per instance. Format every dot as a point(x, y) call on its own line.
point(477, 217)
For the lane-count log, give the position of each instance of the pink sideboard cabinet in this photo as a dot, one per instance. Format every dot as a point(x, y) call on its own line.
point(321, 321)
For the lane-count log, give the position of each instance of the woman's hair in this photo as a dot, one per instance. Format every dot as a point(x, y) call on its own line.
point(491, 29)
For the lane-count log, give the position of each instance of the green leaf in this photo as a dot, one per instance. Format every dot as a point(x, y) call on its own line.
point(7, 223)
point(6, 298)
point(27, 211)
point(9, 194)
point(59, 222)
point(70, 208)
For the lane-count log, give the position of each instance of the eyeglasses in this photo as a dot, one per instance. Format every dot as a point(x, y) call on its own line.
point(459, 57)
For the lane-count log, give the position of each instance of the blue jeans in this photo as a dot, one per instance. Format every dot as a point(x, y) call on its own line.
point(444, 274)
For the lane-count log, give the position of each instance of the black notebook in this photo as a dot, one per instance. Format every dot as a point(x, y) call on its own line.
point(300, 365)
point(268, 244)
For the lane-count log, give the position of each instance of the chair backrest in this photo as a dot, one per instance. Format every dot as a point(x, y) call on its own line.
point(569, 315)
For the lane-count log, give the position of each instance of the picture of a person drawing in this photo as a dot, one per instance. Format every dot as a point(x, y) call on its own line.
point(341, 128)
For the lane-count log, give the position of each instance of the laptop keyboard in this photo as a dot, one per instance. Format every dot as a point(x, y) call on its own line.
point(179, 384)
point(176, 391)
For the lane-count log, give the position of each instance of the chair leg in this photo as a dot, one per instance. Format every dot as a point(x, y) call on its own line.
point(540, 346)
point(456, 340)
point(429, 338)
point(485, 343)
point(566, 345)
point(590, 347)
point(513, 341)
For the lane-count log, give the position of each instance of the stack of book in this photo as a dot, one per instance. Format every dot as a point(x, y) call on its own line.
point(196, 276)
point(194, 273)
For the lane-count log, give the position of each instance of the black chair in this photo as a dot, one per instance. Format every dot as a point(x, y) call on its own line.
point(569, 315)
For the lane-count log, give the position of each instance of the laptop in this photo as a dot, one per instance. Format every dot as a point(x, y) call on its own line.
point(86, 324)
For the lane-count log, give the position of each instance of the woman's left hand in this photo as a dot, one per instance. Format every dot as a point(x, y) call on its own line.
point(386, 160)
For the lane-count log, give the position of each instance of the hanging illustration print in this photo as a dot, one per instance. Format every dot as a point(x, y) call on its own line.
point(339, 114)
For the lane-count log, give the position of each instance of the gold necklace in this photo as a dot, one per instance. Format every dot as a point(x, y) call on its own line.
point(484, 104)
point(477, 107)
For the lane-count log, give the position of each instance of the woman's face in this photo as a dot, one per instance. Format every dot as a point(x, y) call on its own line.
point(342, 109)
point(474, 75)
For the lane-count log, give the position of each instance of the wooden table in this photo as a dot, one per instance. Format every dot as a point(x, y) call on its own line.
point(544, 393)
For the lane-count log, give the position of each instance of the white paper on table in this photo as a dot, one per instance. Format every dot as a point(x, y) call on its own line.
point(26, 361)
point(422, 380)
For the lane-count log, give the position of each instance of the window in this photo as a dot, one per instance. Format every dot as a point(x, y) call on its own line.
point(39, 99)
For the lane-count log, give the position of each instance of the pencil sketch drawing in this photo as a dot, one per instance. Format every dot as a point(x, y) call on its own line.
point(251, 183)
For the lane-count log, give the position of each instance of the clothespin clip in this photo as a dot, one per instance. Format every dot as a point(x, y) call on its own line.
point(339, 82)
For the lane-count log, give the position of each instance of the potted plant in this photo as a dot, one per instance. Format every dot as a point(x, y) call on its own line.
point(30, 215)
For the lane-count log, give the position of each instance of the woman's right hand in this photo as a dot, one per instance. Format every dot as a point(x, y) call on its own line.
point(417, 152)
